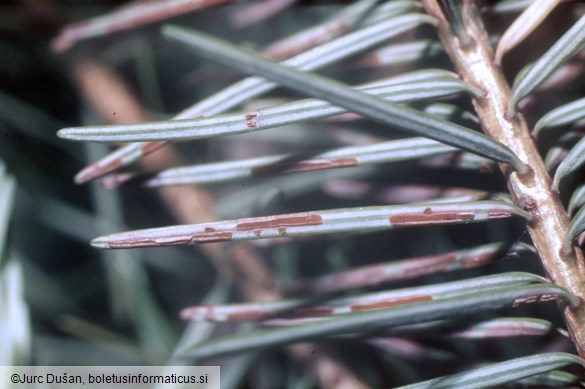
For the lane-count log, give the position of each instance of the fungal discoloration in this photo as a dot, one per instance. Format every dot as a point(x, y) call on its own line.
point(97, 169)
point(308, 39)
point(424, 266)
point(212, 237)
point(131, 243)
point(375, 274)
point(172, 240)
point(501, 331)
point(476, 260)
point(117, 180)
point(202, 237)
point(304, 166)
point(299, 219)
point(428, 217)
point(251, 119)
point(148, 242)
point(149, 147)
point(358, 277)
point(312, 312)
point(281, 230)
point(499, 214)
point(389, 303)
point(199, 312)
point(321, 164)
point(519, 330)
point(246, 315)
point(535, 299)
point(368, 275)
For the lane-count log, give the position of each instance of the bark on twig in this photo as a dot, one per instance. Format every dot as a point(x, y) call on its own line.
point(474, 60)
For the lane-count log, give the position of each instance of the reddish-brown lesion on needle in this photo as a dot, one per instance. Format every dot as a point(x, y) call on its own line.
point(192, 204)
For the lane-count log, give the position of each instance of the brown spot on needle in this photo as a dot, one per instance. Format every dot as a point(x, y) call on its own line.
point(97, 169)
point(389, 303)
point(304, 166)
point(428, 217)
point(149, 147)
point(251, 119)
point(298, 219)
point(121, 242)
point(211, 237)
point(320, 164)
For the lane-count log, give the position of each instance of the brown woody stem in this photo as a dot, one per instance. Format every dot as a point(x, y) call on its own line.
point(474, 60)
